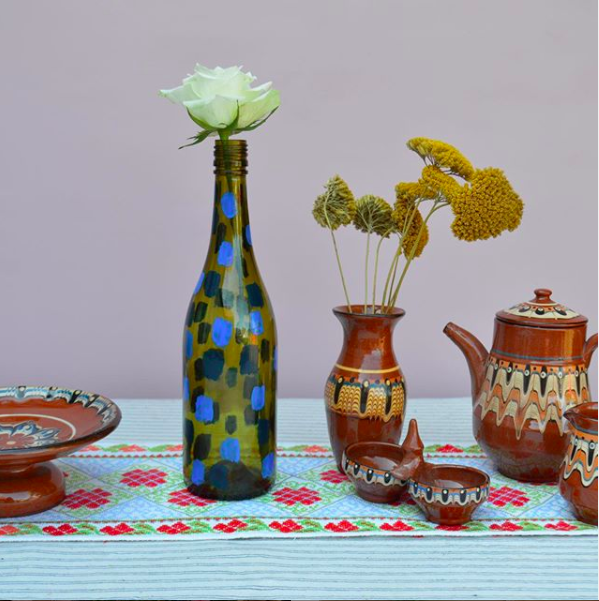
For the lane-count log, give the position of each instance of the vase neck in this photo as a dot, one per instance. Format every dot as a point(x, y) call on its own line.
point(368, 339)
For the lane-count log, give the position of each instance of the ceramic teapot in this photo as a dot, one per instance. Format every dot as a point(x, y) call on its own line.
point(537, 368)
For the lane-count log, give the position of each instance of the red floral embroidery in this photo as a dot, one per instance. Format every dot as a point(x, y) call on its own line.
point(455, 528)
point(449, 449)
point(504, 495)
point(90, 449)
point(231, 526)
point(60, 530)
point(333, 476)
point(315, 449)
point(121, 528)
point(342, 526)
point(92, 499)
point(561, 525)
point(150, 478)
point(175, 447)
point(398, 526)
point(506, 526)
point(175, 528)
point(132, 448)
point(8, 529)
point(286, 526)
point(302, 495)
point(184, 498)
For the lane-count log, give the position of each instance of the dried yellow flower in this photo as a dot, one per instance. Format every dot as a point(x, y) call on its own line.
point(336, 207)
point(402, 213)
point(374, 216)
point(442, 155)
point(486, 207)
point(439, 183)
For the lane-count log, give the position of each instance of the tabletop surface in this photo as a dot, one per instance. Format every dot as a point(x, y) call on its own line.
point(317, 568)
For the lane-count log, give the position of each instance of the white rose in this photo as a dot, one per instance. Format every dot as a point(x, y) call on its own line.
point(216, 98)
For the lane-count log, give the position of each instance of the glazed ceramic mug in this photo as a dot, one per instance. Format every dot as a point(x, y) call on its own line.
point(578, 474)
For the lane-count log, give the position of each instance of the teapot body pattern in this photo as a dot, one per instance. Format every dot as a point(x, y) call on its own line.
point(537, 368)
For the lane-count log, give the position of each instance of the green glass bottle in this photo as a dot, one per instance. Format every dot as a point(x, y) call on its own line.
point(229, 353)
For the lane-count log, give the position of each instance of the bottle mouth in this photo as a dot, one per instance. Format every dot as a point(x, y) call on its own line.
point(358, 312)
point(230, 158)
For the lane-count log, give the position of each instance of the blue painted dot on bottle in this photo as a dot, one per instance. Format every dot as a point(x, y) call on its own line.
point(228, 204)
point(199, 284)
point(213, 363)
point(258, 397)
point(204, 409)
point(263, 431)
point(188, 344)
point(186, 389)
point(256, 323)
point(255, 295)
point(219, 477)
point(222, 330)
point(225, 254)
point(197, 472)
point(275, 358)
point(229, 449)
point(212, 283)
point(248, 235)
point(268, 465)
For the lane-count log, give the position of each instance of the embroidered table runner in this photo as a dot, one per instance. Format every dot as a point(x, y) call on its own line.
point(131, 492)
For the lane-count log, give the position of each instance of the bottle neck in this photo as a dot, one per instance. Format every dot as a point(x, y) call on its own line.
point(231, 235)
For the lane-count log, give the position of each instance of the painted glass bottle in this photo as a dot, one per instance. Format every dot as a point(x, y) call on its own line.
point(229, 353)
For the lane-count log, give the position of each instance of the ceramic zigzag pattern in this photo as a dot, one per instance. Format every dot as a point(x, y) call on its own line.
point(531, 392)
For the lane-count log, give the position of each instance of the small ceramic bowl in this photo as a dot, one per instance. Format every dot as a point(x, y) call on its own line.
point(39, 424)
point(380, 470)
point(449, 494)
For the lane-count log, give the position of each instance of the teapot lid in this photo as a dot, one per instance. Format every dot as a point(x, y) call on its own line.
point(542, 311)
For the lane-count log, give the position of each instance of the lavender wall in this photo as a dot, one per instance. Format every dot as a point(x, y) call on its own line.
point(104, 223)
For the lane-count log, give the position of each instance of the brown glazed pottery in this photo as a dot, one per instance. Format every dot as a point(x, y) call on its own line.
point(449, 494)
point(365, 393)
point(578, 475)
point(380, 470)
point(39, 424)
point(537, 368)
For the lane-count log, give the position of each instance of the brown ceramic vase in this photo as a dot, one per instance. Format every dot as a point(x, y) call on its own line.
point(578, 474)
point(365, 393)
point(536, 369)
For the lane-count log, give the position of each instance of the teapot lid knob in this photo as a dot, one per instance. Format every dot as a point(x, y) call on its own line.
point(543, 296)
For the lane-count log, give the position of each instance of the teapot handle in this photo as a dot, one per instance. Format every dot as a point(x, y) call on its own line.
point(589, 348)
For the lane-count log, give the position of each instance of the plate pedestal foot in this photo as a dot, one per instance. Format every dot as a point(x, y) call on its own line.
point(30, 489)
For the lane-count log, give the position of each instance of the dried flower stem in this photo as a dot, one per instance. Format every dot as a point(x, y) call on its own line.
point(376, 270)
point(339, 263)
point(366, 272)
point(438, 204)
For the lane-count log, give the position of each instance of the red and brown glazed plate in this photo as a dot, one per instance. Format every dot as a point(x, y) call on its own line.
point(39, 424)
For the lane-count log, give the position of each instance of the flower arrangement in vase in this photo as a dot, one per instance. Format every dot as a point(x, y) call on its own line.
point(229, 340)
point(365, 393)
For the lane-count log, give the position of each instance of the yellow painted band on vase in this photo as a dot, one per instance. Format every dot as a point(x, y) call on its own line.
point(367, 371)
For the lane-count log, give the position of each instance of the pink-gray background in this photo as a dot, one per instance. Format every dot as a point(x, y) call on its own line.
point(104, 223)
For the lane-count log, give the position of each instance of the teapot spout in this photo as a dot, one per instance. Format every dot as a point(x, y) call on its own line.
point(413, 449)
point(474, 351)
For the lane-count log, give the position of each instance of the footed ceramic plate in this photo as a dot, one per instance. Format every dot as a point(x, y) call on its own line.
point(39, 424)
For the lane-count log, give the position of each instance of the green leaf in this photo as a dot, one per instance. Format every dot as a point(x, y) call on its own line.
point(200, 137)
